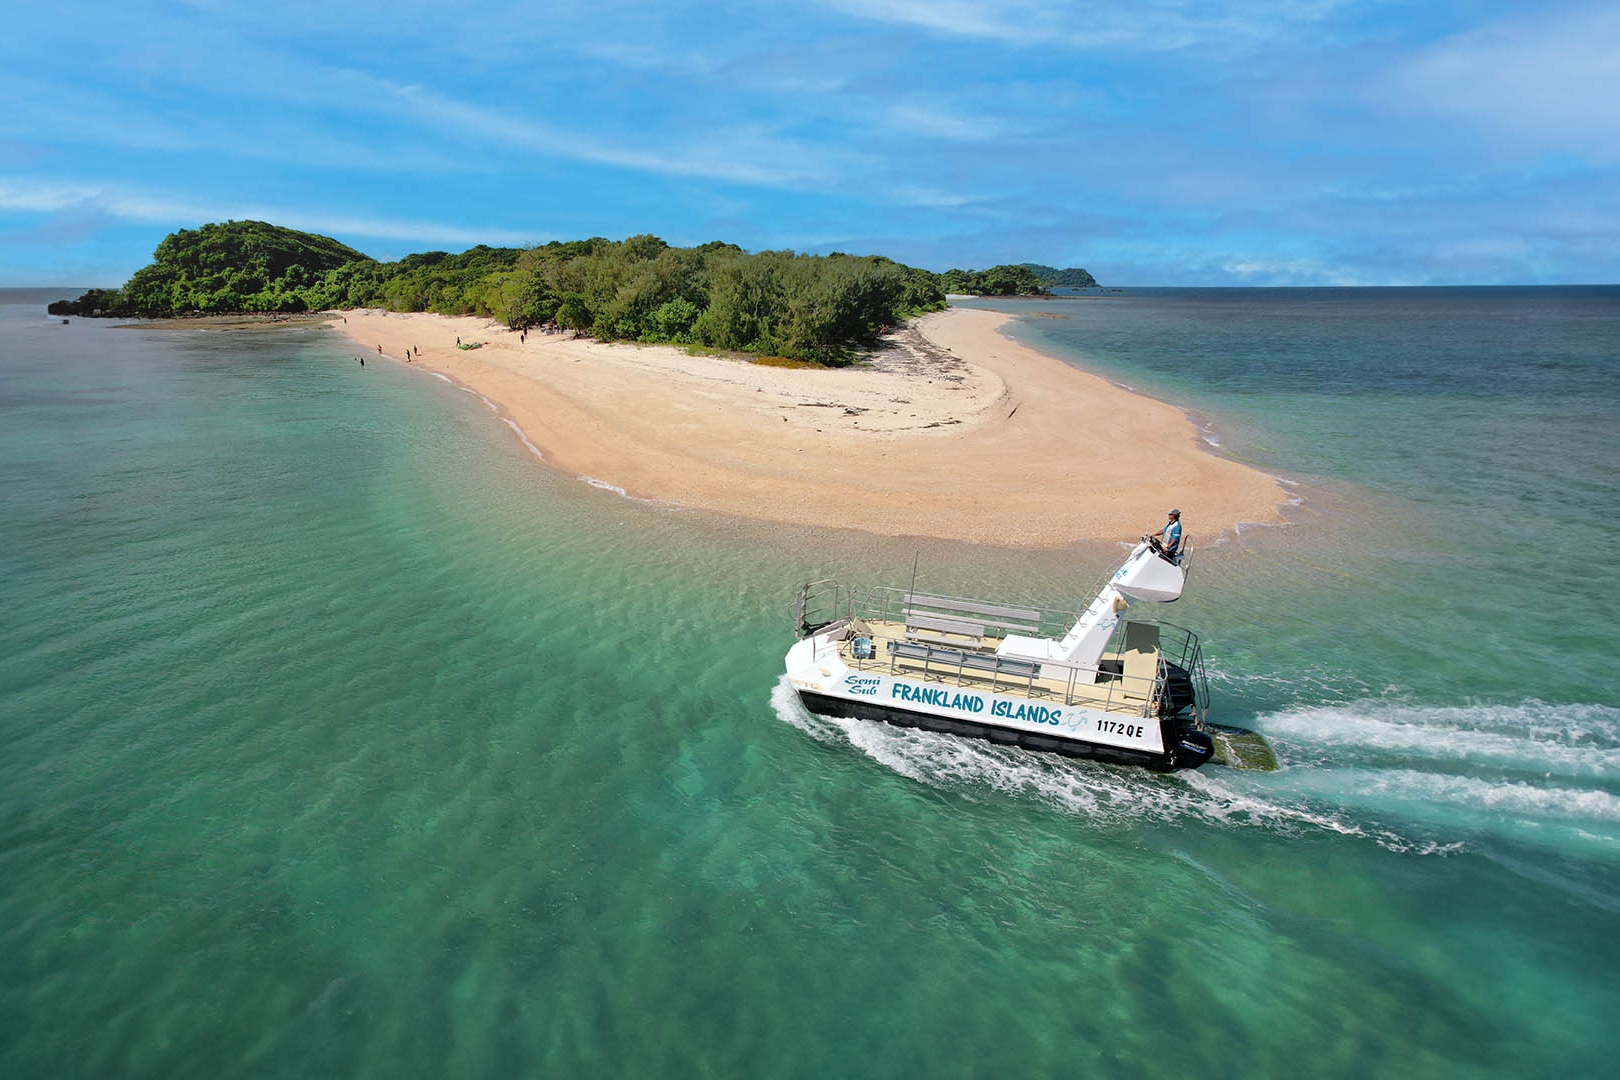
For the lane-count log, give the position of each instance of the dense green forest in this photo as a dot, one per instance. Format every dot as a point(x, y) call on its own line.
point(1072, 278)
point(809, 307)
point(996, 281)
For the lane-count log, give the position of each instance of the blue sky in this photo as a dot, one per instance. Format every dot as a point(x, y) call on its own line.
point(1156, 142)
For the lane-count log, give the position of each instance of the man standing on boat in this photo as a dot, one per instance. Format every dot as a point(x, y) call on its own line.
point(1170, 535)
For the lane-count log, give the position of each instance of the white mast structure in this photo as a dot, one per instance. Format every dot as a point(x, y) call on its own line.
point(1146, 575)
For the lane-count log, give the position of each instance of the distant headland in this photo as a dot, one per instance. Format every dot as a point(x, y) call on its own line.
point(823, 309)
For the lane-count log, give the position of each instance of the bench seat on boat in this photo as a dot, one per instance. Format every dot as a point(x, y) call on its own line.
point(985, 616)
point(950, 658)
point(938, 630)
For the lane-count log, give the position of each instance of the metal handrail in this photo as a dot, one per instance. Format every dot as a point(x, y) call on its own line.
point(935, 663)
point(814, 609)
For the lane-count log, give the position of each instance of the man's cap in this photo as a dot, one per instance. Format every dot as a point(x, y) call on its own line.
point(1175, 513)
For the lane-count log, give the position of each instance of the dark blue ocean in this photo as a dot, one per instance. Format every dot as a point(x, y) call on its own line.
point(339, 736)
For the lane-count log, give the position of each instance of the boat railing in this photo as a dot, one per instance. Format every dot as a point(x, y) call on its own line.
point(1117, 683)
point(820, 605)
point(1104, 686)
point(1181, 648)
point(952, 640)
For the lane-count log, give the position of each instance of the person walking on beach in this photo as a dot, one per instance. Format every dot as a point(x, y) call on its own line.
point(1167, 541)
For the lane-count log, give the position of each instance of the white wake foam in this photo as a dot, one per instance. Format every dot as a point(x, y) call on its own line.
point(1570, 741)
point(1105, 795)
point(1516, 798)
point(1387, 772)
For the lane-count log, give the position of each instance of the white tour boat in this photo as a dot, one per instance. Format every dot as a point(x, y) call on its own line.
point(1122, 690)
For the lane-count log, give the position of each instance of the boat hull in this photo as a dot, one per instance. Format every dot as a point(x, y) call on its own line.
point(1189, 749)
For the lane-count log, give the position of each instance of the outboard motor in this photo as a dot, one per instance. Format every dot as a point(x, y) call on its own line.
point(1192, 749)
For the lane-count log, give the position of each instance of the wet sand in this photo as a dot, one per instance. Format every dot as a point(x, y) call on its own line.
point(954, 431)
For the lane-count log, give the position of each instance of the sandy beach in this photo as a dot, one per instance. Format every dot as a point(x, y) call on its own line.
point(955, 431)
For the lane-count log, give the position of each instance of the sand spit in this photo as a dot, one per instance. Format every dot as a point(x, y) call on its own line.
point(953, 431)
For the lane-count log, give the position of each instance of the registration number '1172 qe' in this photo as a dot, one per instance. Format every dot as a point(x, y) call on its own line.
point(1114, 727)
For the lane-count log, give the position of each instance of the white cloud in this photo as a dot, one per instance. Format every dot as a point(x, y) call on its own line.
point(55, 197)
point(918, 195)
point(59, 114)
point(1550, 83)
point(1152, 26)
point(942, 121)
point(962, 18)
point(742, 155)
point(1298, 271)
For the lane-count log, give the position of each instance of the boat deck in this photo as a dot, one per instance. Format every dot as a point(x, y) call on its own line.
point(1125, 682)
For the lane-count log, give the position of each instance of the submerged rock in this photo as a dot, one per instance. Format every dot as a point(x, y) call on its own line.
point(1240, 748)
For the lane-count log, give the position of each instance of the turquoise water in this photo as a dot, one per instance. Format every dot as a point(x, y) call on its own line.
point(339, 736)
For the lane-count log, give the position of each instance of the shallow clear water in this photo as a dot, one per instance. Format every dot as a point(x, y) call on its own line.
point(338, 735)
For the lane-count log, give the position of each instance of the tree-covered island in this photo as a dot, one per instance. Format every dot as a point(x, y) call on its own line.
point(820, 308)
point(1051, 277)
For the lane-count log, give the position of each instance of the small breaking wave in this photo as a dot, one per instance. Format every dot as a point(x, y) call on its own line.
point(528, 443)
point(488, 404)
point(523, 436)
point(605, 486)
